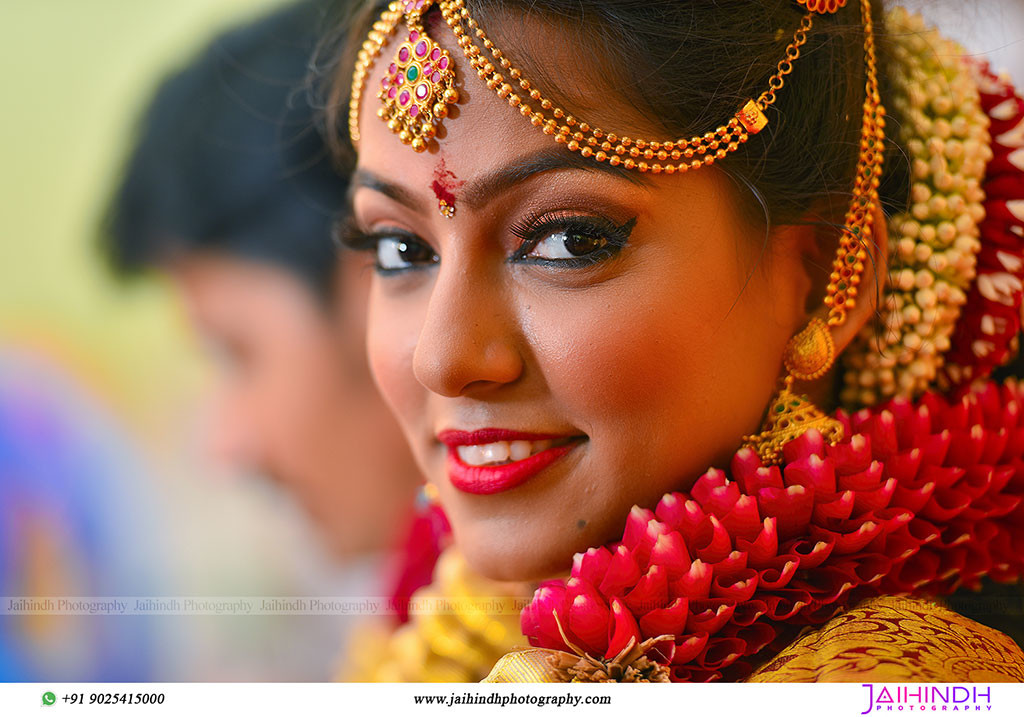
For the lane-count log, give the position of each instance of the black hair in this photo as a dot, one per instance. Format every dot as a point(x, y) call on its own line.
point(228, 159)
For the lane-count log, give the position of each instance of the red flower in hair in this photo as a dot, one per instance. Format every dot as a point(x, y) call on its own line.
point(985, 336)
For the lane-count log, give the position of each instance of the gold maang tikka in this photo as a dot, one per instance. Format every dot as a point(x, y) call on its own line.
point(419, 83)
point(809, 354)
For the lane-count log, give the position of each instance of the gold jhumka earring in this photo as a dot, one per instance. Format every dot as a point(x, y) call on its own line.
point(419, 86)
point(811, 353)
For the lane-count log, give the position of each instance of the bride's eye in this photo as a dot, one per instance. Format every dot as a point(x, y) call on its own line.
point(398, 253)
point(396, 250)
point(567, 244)
point(570, 241)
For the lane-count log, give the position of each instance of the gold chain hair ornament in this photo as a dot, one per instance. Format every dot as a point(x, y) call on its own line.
point(822, 6)
point(419, 85)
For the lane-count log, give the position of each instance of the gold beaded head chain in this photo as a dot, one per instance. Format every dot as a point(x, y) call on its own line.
point(419, 86)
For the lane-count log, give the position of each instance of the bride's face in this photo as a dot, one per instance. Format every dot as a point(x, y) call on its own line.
point(577, 339)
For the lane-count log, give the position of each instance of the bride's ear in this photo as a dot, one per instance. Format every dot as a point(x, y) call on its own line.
point(869, 292)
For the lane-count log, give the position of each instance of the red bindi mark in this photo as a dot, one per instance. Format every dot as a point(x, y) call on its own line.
point(445, 185)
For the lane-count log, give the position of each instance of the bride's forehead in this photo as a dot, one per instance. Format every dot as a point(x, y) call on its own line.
point(480, 133)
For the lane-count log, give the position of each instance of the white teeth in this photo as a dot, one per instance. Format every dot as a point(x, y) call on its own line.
point(495, 452)
point(519, 450)
point(473, 455)
point(501, 451)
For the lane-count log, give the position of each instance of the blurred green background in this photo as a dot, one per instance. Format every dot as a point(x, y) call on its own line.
point(76, 75)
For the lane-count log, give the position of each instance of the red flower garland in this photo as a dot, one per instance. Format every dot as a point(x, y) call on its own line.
point(985, 336)
point(921, 498)
point(426, 536)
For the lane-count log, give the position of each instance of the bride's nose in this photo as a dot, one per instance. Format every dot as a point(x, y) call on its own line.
point(469, 341)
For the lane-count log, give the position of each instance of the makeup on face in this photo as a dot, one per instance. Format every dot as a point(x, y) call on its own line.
point(573, 227)
point(575, 340)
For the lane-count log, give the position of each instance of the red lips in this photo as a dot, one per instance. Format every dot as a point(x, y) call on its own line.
point(487, 480)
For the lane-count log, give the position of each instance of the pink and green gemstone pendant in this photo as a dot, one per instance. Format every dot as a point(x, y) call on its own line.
point(419, 84)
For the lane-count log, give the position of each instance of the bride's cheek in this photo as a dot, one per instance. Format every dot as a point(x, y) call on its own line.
point(391, 344)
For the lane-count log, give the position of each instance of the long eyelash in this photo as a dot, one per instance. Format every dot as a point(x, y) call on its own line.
point(347, 235)
point(533, 228)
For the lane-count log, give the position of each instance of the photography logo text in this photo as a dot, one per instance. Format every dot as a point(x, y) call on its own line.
point(927, 698)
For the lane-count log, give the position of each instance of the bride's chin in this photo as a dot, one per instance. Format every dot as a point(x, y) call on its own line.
point(517, 555)
point(506, 571)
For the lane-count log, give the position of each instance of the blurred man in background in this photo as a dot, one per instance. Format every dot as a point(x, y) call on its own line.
point(230, 192)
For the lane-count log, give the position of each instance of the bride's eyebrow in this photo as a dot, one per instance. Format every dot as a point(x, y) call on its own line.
point(362, 178)
point(482, 190)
